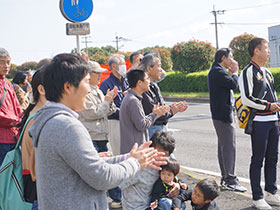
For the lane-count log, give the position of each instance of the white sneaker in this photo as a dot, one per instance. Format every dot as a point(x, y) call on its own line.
point(116, 205)
point(273, 200)
point(261, 204)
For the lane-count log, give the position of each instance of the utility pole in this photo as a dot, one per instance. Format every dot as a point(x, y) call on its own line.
point(86, 42)
point(120, 39)
point(215, 13)
point(117, 42)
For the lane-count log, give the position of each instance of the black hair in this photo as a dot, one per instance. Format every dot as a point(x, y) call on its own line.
point(134, 54)
point(19, 77)
point(209, 188)
point(255, 43)
point(220, 53)
point(133, 76)
point(63, 68)
point(37, 80)
point(172, 165)
point(163, 139)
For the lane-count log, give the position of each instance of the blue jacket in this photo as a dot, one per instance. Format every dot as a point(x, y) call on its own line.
point(220, 84)
point(109, 83)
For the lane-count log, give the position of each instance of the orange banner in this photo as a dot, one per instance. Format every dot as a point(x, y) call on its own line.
point(107, 74)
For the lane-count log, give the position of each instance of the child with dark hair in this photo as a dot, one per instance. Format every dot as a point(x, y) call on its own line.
point(202, 197)
point(136, 190)
point(165, 183)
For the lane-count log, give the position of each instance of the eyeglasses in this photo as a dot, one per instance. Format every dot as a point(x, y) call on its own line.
point(5, 61)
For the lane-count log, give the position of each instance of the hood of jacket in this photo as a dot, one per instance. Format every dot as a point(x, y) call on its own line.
point(43, 115)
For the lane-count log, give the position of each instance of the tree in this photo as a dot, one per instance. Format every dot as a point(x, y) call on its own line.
point(239, 46)
point(165, 55)
point(192, 56)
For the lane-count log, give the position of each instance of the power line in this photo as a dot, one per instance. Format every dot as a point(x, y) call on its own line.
point(251, 23)
point(262, 5)
point(120, 39)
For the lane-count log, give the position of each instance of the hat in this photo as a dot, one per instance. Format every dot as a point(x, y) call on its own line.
point(95, 67)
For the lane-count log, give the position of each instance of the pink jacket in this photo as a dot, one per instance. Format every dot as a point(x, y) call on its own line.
point(10, 113)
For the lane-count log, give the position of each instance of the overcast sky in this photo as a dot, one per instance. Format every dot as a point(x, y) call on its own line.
point(35, 29)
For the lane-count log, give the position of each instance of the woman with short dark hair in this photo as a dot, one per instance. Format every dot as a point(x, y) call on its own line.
point(20, 80)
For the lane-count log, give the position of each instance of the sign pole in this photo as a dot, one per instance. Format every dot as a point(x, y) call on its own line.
point(76, 11)
point(78, 44)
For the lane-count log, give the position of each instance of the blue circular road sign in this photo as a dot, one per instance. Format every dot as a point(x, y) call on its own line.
point(76, 10)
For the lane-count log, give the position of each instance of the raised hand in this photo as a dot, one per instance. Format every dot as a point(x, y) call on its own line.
point(154, 205)
point(148, 157)
point(160, 110)
point(111, 94)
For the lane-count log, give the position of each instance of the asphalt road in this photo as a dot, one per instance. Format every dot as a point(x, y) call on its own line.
point(196, 141)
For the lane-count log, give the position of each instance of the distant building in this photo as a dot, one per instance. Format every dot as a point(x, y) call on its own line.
point(274, 44)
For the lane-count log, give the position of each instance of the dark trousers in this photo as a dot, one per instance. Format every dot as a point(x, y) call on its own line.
point(226, 150)
point(264, 140)
point(100, 146)
point(115, 193)
point(4, 148)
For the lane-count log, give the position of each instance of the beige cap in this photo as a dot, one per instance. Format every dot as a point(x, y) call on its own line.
point(95, 67)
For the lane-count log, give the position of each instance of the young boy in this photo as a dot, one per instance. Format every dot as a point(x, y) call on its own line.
point(202, 198)
point(168, 177)
point(136, 190)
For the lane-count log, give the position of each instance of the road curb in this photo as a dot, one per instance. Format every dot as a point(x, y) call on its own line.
point(228, 200)
point(188, 99)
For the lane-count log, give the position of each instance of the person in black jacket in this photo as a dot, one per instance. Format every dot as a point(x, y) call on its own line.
point(220, 85)
point(160, 199)
point(202, 197)
point(265, 129)
point(152, 64)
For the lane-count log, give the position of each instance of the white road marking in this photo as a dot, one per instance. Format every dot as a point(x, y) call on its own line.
point(212, 173)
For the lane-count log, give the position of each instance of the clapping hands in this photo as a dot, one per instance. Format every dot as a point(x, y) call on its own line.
point(160, 110)
point(180, 106)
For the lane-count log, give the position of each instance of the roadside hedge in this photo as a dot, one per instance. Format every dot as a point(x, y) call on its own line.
point(185, 82)
point(197, 81)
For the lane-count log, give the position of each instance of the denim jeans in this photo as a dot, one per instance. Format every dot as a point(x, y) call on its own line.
point(4, 148)
point(35, 205)
point(155, 128)
point(166, 204)
point(100, 146)
point(115, 194)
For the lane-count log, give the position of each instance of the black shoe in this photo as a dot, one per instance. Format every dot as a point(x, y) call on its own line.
point(233, 187)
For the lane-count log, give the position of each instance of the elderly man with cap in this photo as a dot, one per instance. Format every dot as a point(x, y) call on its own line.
point(98, 107)
point(10, 110)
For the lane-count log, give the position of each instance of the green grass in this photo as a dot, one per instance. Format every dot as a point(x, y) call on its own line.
point(186, 94)
point(196, 94)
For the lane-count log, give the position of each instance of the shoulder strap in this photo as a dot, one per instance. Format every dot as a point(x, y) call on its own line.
point(4, 92)
point(22, 132)
point(249, 127)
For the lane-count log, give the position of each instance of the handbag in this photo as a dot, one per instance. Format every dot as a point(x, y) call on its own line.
point(11, 182)
point(243, 113)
